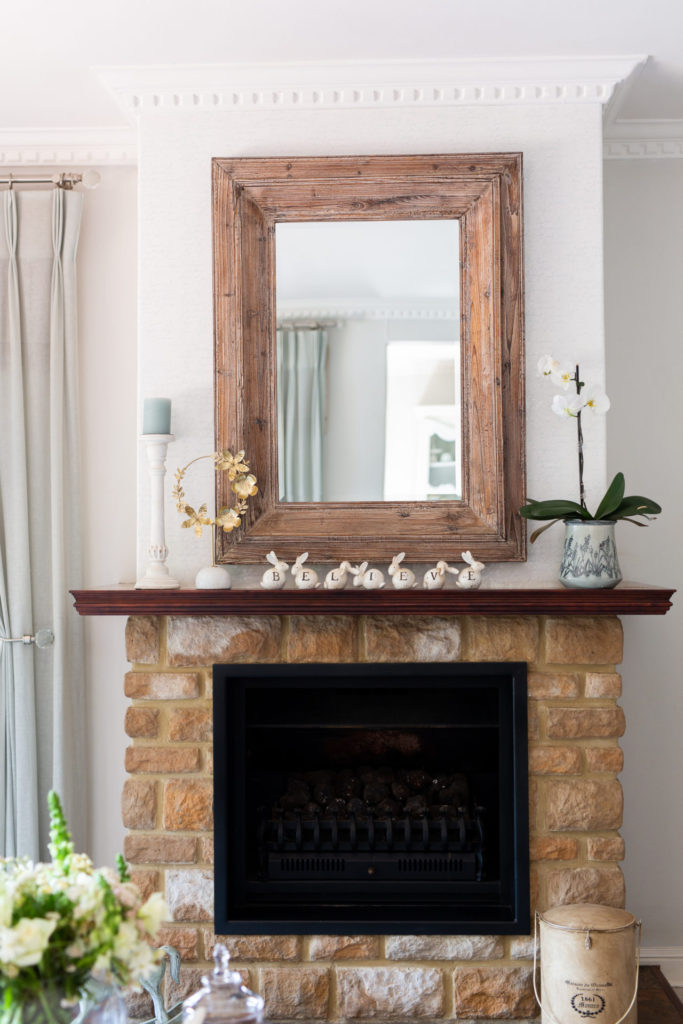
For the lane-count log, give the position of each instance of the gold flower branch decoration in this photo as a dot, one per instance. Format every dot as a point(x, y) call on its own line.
point(243, 484)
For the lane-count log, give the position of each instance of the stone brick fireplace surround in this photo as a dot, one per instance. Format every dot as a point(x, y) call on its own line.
point(575, 802)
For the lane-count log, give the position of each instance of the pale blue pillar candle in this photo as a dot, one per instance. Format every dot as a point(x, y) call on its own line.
point(156, 416)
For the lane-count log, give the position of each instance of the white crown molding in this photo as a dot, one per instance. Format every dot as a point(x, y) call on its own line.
point(358, 84)
point(38, 147)
point(655, 139)
point(669, 958)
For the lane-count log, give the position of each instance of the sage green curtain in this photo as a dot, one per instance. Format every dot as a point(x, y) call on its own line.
point(42, 703)
point(301, 400)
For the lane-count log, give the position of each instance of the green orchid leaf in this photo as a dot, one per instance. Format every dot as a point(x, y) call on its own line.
point(542, 529)
point(635, 505)
point(613, 497)
point(556, 509)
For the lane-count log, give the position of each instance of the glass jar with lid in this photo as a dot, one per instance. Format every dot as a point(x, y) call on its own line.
point(223, 999)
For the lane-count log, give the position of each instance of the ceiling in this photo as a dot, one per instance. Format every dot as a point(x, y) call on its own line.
point(48, 50)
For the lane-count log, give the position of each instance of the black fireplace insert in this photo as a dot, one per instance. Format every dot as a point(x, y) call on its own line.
point(371, 798)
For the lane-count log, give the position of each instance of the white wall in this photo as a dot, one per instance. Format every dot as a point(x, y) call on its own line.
point(108, 342)
point(562, 146)
point(644, 327)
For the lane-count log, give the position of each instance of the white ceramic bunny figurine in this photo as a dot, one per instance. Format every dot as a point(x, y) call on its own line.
point(336, 578)
point(402, 578)
point(470, 579)
point(370, 579)
point(275, 578)
point(304, 578)
point(435, 578)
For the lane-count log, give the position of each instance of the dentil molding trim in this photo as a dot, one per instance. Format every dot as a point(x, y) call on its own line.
point(367, 309)
point(349, 84)
point(73, 146)
point(655, 139)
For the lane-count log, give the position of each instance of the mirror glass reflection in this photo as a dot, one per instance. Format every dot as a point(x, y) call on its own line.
point(368, 360)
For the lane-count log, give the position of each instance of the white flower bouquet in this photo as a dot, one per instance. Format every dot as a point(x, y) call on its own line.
point(65, 923)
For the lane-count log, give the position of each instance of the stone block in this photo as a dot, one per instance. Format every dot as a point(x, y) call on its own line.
point(206, 849)
point(254, 947)
point(535, 821)
point(165, 760)
point(503, 638)
point(191, 724)
point(147, 881)
point(295, 993)
point(585, 723)
point(533, 724)
point(521, 947)
point(323, 638)
point(189, 894)
point(138, 1005)
point(586, 885)
point(604, 759)
point(554, 760)
point(159, 849)
point(188, 805)
point(583, 804)
point(403, 638)
point(208, 639)
point(605, 848)
point(142, 639)
point(583, 640)
point(142, 723)
point(548, 685)
point(162, 685)
point(494, 993)
point(603, 684)
point(191, 981)
point(553, 848)
point(390, 993)
point(139, 803)
point(185, 940)
point(344, 947)
point(444, 947)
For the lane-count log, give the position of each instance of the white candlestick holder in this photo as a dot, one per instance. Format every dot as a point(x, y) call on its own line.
point(157, 576)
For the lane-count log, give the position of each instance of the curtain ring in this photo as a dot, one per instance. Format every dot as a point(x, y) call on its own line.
point(9, 181)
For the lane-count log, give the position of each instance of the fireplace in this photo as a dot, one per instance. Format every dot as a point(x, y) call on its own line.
point(371, 798)
point(575, 799)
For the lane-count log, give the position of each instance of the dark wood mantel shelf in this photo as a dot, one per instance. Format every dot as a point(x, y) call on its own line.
point(626, 599)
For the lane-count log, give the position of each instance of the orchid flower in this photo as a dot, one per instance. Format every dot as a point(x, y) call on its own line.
point(614, 505)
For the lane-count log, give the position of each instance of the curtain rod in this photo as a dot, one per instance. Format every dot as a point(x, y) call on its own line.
point(64, 179)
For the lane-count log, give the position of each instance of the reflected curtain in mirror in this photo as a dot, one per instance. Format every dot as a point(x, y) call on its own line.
point(301, 406)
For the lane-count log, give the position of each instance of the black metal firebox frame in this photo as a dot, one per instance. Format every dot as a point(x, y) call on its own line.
point(341, 906)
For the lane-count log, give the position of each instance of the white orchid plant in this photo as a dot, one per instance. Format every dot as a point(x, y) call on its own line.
point(63, 923)
point(615, 504)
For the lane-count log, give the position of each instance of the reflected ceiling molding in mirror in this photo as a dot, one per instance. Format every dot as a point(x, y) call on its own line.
point(484, 193)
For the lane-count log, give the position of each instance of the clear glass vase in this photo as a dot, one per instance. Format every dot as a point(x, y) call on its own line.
point(99, 1004)
point(48, 1006)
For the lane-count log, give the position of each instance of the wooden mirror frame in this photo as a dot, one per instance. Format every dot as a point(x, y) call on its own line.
point(250, 196)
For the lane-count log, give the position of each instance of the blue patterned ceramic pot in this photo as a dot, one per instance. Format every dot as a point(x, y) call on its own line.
point(590, 558)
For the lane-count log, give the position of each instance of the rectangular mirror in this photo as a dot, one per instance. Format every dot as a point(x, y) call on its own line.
point(369, 354)
point(350, 412)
